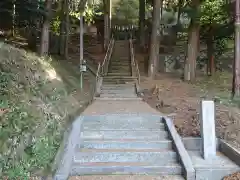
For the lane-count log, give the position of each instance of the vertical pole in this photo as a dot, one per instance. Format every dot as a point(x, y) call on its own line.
point(81, 51)
point(236, 75)
point(110, 17)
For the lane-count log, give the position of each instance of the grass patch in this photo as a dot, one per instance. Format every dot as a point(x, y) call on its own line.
point(218, 87)
point(34, 102)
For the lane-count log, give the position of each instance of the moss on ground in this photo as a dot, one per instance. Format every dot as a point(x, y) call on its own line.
point(36, 98)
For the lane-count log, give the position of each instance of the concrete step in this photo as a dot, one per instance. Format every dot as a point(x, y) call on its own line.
point(160, 158)
point(118, 82)
point(117, 61)
point(117, 99)
point(119, 74)
point(117, 67)
point(129, 177)
point(125, 119)
point(118, 95)
point(120, 77)
point(114, 94)
point(131, 83)
point(115, 78)
point(128, 126)
point(137, 135)
point(118, 92)
point(118, 87)
point(120, 63)
point(122, 90)
point(126, 168)
point(135, 145)
point(124, 70)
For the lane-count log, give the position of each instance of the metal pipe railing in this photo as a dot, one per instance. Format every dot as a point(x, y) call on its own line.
point(103, 67)
point(133, 61)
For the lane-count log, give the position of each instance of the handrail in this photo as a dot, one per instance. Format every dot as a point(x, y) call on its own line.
point(103, 67)
point(107, 57)
point(134, 63)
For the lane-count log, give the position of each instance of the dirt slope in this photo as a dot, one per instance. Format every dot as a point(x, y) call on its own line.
point(37, 98)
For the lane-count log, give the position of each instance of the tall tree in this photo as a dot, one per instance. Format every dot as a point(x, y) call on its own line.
point(106, 22)
point(142, 7)
point(67, 26)
point(64, 28)
point(44, 46)
point(236, 71)
point(154, 47)
point(193, 43)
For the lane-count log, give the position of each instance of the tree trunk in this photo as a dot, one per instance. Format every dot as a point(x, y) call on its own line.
point(154, 49)
point(62, 29)
point(66, 29)
point(193, 47)
point(210, 54)
point(236, 67)
point(105, 31)
point(141, 23)
point(106, 23)
point(161, 62)
point(13, 18)
point(44, 46)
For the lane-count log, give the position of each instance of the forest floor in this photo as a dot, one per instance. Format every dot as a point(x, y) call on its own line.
point(181, 101)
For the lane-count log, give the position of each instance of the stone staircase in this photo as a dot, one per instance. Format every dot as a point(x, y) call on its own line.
point(126, 137)
point(119, 82)
point(125, 144)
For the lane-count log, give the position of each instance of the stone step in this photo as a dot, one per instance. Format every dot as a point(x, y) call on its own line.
point(120, 77)
point(126, 168)
point(130, 83)
point(105, 88)
point(117, 70)
point(160, 158)
point(138, 135)
point(124, 118)
point(129, 177)
point(116, 94)
point(121, 64)
point(119, 74)
point(124, 70)
point(128, 126)
point(118, 66)
point(119, 95)
point(118, 99)
point(119, 88)
point(135, 145)
point(117, 83)
point(120, 57)
point(129, 86)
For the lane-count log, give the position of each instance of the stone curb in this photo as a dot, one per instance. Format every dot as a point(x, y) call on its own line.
point(64, 167)
point(229, 151)
point(185, 160)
